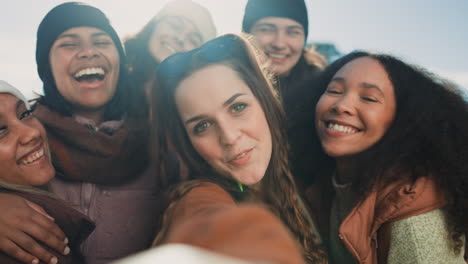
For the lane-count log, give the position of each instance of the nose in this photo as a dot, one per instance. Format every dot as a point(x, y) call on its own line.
point(88, 51)
point(279, 41)
point(344, 105)
point(28, 133)
point(229, 133)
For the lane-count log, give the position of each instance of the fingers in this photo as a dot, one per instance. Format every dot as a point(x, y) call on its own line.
point(22, 225)
point(36, 252)
point(16, 252)
point(46, 231)
point(39, 209)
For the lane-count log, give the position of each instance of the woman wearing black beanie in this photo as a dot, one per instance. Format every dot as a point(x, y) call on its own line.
point(281, 29)
point(98, 141)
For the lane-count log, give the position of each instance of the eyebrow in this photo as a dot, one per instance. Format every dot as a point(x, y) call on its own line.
point(296, 27)
point(72, 35)
point(363, 84)
point(228, 102)
point(265, 24)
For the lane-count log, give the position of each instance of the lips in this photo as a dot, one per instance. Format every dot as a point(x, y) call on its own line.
point(91, 77)
point(277, 57)
point(338, 127)
point(32, 156)
point(241, 158)
point(169, 47)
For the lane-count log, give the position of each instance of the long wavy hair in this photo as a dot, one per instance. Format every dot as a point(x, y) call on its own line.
point(277, 189)
point(428, 137)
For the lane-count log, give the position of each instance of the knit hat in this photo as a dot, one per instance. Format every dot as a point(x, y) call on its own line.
point(258, 9)
point(59, 19)
point(8, 88)
point(196, 13)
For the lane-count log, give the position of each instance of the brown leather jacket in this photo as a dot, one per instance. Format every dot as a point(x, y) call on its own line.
point(208, 217)
point(365, 231)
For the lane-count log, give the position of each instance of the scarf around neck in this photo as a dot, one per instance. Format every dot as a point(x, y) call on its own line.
point(83, 154)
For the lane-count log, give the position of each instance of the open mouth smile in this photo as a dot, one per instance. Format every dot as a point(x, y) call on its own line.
point(90, 74)
point(341, 128)
point(32, 157)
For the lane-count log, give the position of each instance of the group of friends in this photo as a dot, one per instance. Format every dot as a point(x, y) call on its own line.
point(244, 145)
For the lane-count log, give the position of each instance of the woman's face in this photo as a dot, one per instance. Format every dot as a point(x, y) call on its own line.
point(24, 153)
point(171, 35)
point(85, 64)
point(282, 40)
point(356, 109)
point(225, 123)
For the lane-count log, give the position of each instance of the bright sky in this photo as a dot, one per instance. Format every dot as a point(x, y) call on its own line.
point(431, 33)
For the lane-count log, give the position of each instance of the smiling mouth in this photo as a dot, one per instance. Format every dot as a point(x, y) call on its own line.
point(341, 128)
point(170, 48)
point(239, 156)
point(277, 56)
point(90, 74)
point(32, 157)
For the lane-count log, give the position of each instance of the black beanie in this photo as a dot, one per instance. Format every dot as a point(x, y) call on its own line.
point(58, 20)
point(258, 9)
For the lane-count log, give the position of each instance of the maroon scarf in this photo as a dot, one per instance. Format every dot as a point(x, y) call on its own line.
point(83, 154)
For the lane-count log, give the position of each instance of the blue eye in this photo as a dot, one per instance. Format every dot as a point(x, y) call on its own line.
point(201, 127)
point(238, 108)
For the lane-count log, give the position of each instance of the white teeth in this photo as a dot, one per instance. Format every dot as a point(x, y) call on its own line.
point(89, 71)
point(241, 156)
point(277, 56)
point(171, 49)
point(33, 157)
point(341, 128)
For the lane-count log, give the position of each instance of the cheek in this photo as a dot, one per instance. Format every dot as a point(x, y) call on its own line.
point(206, 148)
point(263, 40)
point(322, 105)
point(297, 45)
point(7, 156)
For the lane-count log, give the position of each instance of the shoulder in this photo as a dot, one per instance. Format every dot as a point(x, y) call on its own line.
point(312, 57)
point(423, 238)
point(407, 198)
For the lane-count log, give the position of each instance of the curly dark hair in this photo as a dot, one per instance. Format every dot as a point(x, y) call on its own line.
point(277, 188)
point(427, 137)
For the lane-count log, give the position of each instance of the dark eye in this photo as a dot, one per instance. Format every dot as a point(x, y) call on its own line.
point(265, 29)
point(333, 90)
point(201, 127)
point(370, 99)
point(68, 45)
point(25, 114)
point(294, 32)
point(3, 129)
point(238, 108)
point(103, 43)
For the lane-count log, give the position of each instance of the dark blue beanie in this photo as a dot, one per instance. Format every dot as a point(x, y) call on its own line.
point(292, 9)
point(60, 19)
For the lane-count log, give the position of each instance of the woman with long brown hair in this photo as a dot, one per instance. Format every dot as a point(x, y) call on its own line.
point(218, 105)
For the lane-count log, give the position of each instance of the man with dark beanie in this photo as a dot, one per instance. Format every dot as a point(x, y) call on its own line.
point(98, 145)
point(281, 29)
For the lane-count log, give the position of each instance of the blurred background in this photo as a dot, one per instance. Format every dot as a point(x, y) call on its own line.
point(430, 33)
